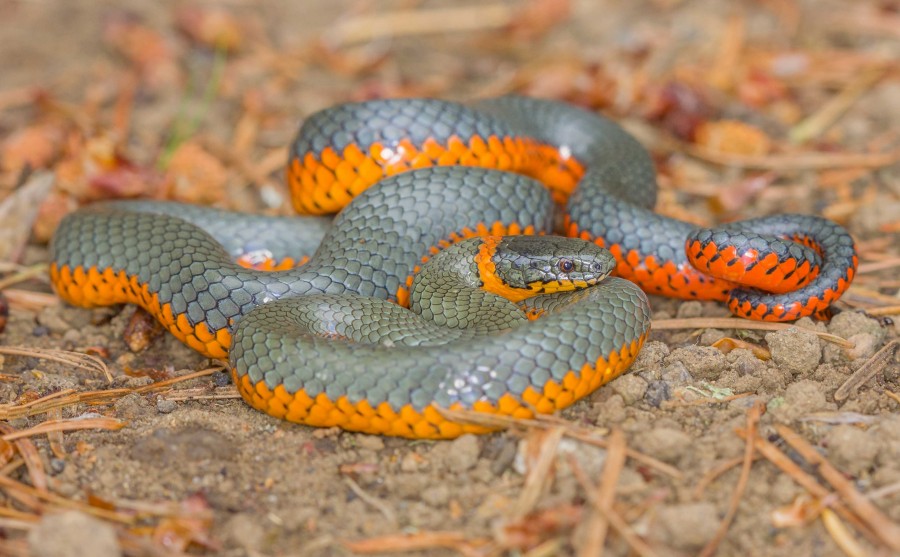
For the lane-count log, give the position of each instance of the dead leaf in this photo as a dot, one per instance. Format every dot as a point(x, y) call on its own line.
point(195, 176)
point(216, 28)
point(35, 146)
point(732, 137)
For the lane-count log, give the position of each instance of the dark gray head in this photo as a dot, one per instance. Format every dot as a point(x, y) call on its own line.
point(547, 264)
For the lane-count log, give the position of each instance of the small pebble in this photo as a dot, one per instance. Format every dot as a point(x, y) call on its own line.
point(677, 375)
point(630, 387)
point(657, 392)
point(687, 526)
point(461, 454)
point(849, 323)
point(689, 309)
point(651, 355)
point(702, 362)
point(165, 406)
point(370, 442)
point(800, 399)
point(795, 350)
point(73, 534)
point(851, 449)
point(57, 466)
point(437, 495)
point(51, 320)
point(864, 346)
point(666, 444)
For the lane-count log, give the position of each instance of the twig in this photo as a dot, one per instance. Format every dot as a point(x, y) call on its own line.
point(417, 542)
point(794, 161)
point(614, 519)
point(76, 359)
point(538, 477)
point(376, 503)
point(66, 425)
point(367, 28)
point(497, 421)
point(69, 397)
point(866, 371)
point(884, 310)
point(30, 457)
point(598, 521)
point(875, 266)
point(888, 532)
point(737, 323)
point(753, 416)
point(13, 487)
point(717, 471)
point(27, 273)
point(792, 469)
point(841, 535)
point(832, 110)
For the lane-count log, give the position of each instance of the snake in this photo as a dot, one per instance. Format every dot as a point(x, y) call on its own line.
point(439, 286)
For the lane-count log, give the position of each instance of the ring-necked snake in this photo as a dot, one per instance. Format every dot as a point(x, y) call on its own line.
point(324, 344)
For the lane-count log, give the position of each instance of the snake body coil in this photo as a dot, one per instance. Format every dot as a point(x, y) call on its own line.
point(323, 344)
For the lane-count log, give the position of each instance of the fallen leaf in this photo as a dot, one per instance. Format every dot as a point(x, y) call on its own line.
point(212, 27)
point(195, 176)
point(732, 137)
point(36, 146)
point(145, 48)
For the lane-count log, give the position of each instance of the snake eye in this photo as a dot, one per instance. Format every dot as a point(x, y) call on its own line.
point(566, 265)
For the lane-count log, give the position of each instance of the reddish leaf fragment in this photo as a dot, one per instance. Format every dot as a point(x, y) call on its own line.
point(680, 108)
point(727, 344)
point(96, 169)
point(732, 137)
point(212, 27)
point(145, 48)
point(195, 176)
point(141, 330)
point(36, 146)
point(191, 526)
point(50, 213)
point(4, 311)
point(537, 17)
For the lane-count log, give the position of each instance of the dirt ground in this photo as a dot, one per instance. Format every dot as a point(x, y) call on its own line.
point(749, 108)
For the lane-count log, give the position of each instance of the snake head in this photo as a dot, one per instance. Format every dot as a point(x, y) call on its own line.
point(547, 264)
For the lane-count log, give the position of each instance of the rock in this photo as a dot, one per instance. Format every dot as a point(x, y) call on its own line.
point(702, 362)
point(370, 442)
point(795, 350)
point(848, 323)
point(689, 309)
point(800, 399)
point(687, 526)
point(664, 443)
point(165, 406)
point(889, 432)
point(244, 530)
point(50, 318)
point(657, 393)
point(745, 362)
point(133, 406)
point(630, 387)
point(864, 346)
point(650, 358)
point(73, 534)
point(851, 449)
point(676, 375)
point(459, 455)
point(436, 495)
